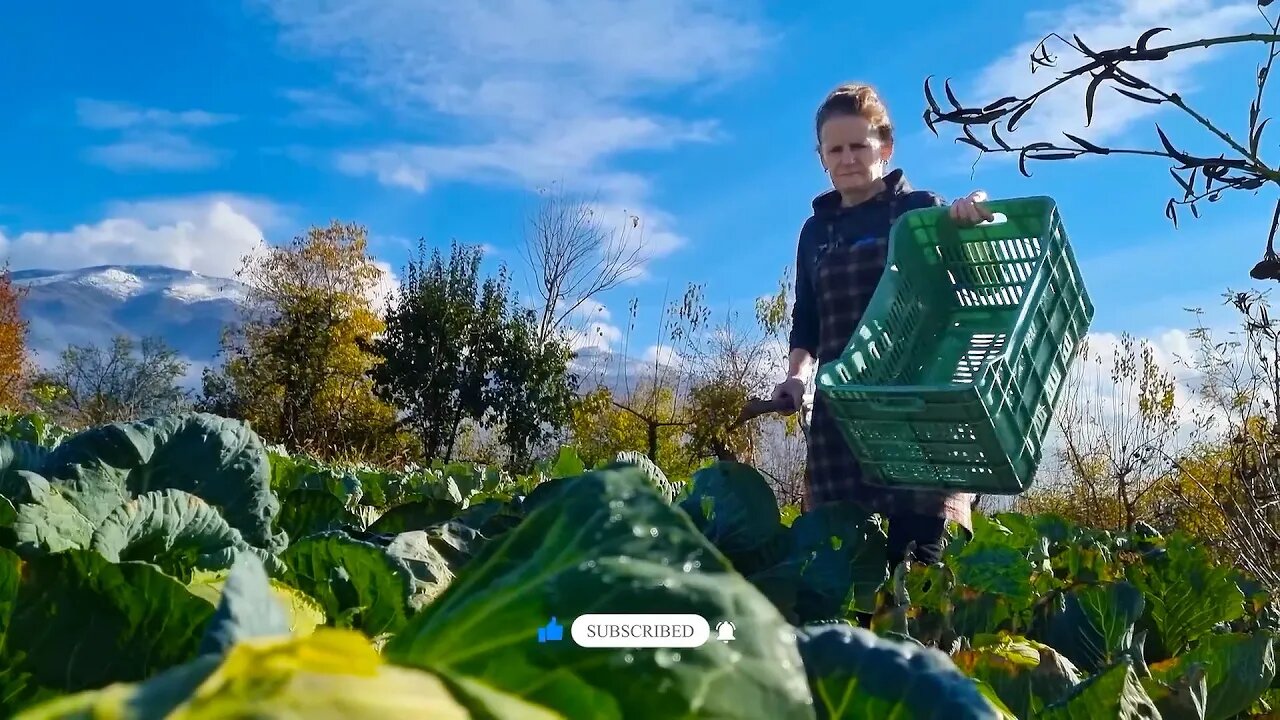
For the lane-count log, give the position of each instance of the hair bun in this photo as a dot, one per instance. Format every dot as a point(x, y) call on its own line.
point(856, 100)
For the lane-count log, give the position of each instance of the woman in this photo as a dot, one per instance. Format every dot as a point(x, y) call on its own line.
point(839, 260)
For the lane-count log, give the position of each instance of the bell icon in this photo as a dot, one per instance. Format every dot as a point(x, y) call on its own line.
point(724, 631)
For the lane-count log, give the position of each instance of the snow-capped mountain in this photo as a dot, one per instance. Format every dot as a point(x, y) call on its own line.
point(91, 305)
point(188, 310)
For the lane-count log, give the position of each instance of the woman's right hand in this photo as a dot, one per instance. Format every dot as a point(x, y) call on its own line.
point(792, 389)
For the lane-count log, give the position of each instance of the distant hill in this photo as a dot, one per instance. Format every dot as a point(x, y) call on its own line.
point(188, 310)
point(93, 304)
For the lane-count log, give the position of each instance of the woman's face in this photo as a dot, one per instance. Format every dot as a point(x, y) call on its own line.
point(851, 153)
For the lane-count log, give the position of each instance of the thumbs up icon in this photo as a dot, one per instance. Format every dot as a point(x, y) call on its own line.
point(552, 632)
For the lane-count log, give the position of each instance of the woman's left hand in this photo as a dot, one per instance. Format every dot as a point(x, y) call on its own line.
point(969, 210)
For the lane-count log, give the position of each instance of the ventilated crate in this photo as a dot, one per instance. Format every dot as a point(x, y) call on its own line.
point(952, 377)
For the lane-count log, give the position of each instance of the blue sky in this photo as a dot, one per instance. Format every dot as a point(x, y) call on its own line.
point(177, 133)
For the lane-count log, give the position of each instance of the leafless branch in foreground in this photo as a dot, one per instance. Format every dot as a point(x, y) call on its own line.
point(1200, 178)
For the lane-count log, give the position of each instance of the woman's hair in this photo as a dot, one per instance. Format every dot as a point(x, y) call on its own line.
point(857, 100)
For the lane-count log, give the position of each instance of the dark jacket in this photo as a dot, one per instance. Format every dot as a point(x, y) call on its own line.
point(832, 225)
point(832, 472)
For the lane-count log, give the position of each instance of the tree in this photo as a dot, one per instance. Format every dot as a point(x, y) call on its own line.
point(440, 347)
point(535, 389)
point(1230, 482)
point(1201, 178)
point(684, 407)
point(603, 424)
point(658, 398)
point(1118, 426)
point(15, 362)
point(731, 361)
point(93, 385)
point(1215, 476)
point(574, 259)
point(457, 348)
point(298, 364)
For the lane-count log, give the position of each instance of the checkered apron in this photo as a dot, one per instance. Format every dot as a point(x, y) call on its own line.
point(848, 271)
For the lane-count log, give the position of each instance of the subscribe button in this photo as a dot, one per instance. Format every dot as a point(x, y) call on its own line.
point(640, 631)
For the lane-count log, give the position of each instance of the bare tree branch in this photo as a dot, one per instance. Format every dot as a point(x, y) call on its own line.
point(1201, 178)
point(574, 258)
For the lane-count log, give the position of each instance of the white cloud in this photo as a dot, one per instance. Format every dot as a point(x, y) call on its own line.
point(663, 355)
point(387, 287)
point(522, 60)
point(193, 378)
point(107, 115)
point(597, 335)
point(589, 326)
point(1107, 24)
point(641, 226)
point(150, 138)
point(210, 234)
point(154, 151)
point(207, 234)
point(322, 107)
point(573, 152)
point(540, 91)
point(1171, 349)
point(264, 213)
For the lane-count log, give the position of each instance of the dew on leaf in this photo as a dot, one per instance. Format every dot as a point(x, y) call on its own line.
point(666, 658)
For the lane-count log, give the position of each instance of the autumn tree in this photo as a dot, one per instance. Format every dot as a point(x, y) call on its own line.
point(574, 257)
point(458, 348)
point(681, 407)
point(15, 362)
point(1208, 465)
point(654, 393)
point(93, 385)
point(645, 418)
point(1229, 482)
point(1117, 426)
point(731, 359)
point(298, 363)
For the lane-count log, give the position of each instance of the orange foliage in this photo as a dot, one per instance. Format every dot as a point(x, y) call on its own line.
point(14, 361)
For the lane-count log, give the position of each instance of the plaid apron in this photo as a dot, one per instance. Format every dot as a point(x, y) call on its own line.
point(849, 270)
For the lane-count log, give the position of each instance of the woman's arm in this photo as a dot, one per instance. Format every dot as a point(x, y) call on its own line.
point(799, 363)
point(804, 317)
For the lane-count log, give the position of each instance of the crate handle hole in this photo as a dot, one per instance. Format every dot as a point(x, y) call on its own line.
point(996, 219)
point(900, 404)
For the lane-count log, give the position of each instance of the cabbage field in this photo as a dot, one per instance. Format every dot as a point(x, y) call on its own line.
point(180, 568)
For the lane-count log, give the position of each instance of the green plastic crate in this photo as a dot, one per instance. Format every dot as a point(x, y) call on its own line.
point(951, 379)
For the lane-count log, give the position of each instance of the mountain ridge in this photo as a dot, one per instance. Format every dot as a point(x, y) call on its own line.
point(187, 309)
